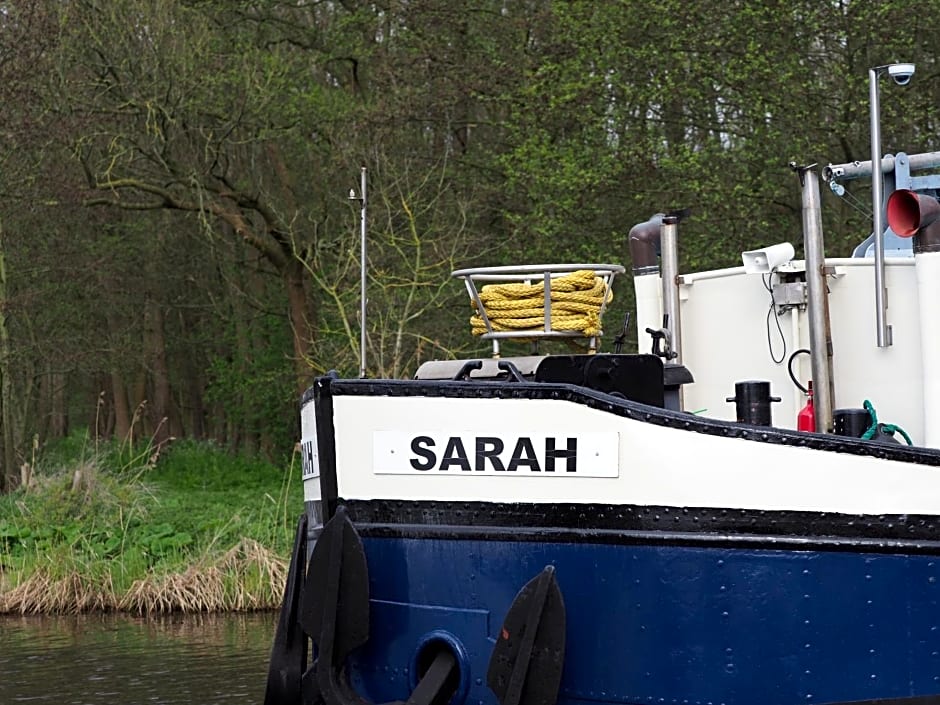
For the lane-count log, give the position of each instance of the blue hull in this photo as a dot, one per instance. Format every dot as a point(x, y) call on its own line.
point(750, 602)
point(665, 623)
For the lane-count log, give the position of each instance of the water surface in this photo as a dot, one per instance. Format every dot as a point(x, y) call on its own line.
point(122, 660)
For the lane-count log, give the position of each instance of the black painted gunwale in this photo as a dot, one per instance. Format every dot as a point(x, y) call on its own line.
point(654, 525)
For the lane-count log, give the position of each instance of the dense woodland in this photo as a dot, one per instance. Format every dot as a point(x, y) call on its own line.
point(179, 255)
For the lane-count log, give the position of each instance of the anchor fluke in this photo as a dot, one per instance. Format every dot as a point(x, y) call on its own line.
point(526, 665)
point(289, 652)
point(335, 609)
point(335, 613)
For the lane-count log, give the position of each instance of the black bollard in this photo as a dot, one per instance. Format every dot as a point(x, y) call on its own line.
point(850, 422)
point(752, 402)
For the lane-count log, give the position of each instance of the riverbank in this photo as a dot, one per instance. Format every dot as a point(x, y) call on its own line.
point(192, 529)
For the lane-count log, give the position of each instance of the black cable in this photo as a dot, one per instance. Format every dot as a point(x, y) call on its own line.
point(799, 386)
point(773, 310)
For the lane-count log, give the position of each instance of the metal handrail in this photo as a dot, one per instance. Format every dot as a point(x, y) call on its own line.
point(529, 274)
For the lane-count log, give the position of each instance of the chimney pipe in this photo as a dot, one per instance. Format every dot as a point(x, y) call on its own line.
point(913, 215)
point(643, 241)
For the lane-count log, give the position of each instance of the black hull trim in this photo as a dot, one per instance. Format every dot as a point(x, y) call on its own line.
point(633, 525)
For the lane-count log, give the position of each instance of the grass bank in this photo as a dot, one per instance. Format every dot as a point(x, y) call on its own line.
point(105, 527)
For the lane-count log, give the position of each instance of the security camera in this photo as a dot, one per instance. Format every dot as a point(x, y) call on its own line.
point(901, 73)
point(767, 259)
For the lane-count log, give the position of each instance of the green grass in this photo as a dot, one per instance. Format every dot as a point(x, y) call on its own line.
point(109, 527)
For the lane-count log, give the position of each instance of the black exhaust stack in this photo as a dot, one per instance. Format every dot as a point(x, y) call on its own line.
point(644, 245)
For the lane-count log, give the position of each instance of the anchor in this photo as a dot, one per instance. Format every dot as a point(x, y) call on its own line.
point(335, 610)
point(525, 668)
point(289, 653)
point(330, 605)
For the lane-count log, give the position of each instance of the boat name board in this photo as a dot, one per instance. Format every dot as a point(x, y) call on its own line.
point(590, 454)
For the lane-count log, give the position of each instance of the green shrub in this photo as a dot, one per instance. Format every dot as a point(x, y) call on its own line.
point(106, 518)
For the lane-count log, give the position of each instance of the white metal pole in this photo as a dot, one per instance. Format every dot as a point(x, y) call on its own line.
point(669, 243)
point(362, 282)
point(901, 73)
point(877, 196)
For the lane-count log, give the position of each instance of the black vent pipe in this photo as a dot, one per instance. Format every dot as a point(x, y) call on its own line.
point(644, 243)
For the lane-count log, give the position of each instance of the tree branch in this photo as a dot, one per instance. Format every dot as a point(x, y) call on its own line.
point(270, 246)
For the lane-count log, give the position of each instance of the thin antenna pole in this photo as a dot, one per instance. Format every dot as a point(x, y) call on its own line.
point(882, 329)
point(362, 282)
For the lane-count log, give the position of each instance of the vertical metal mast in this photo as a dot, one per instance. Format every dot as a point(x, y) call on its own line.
point(669, 237)
point(883, 330)
point(901, 73)
point(820, 335)
point(363, 297)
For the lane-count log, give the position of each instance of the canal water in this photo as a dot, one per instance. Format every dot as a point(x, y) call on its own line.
point(122, 660)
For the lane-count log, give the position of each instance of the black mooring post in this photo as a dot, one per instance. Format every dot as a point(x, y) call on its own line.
point(752, 402)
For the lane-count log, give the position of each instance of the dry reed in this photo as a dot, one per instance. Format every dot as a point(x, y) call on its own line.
point(46, 593)
point(247, 577)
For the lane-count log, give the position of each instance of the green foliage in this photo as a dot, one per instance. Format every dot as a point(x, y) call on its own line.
point(222, 498)
point(127, 521)
point(255, 388)
point(220, 139)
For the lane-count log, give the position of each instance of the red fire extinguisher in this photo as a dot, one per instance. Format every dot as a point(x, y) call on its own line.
point(806, 419)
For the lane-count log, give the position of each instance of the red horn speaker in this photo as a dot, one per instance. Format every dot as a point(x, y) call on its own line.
point(908, 213)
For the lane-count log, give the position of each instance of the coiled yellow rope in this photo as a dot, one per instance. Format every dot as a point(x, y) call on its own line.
point(576, 303)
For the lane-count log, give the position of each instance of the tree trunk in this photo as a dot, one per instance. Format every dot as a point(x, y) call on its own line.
point(161, 403)
point(192, 385)
point(58, 414)
point(9, 471)
point(243, 436)
point(51, 411)
point(137, 397)
point(122, 412)
point(301, 321)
